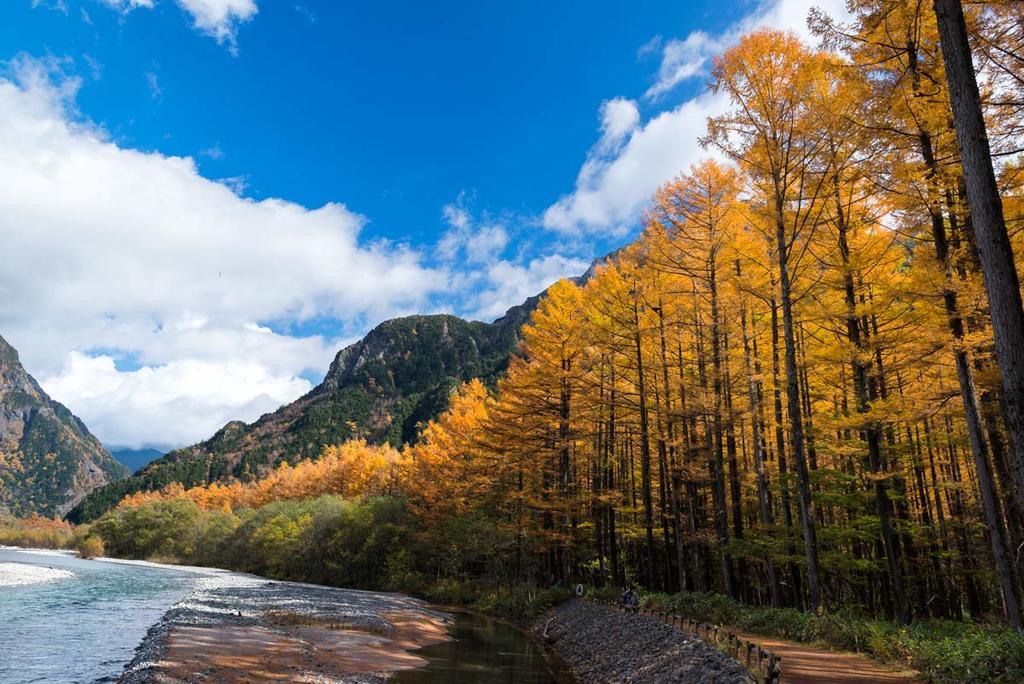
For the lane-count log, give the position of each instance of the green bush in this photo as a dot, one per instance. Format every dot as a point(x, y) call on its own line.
point(327, 540)
point(518, 602)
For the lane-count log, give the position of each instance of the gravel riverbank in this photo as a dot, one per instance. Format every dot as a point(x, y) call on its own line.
point(602, 645)
point(236, 628)
point(22, 574)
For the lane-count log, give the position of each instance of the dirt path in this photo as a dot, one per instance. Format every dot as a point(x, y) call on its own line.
point(805, 664)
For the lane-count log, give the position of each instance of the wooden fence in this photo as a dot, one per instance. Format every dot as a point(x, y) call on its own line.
point(765, 666)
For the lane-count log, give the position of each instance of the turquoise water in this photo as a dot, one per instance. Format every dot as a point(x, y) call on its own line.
point(84, 628)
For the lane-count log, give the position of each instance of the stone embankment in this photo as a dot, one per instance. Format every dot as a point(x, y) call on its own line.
point(600, 644)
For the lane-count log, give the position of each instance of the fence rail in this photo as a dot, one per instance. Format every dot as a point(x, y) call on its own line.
point(765, 666)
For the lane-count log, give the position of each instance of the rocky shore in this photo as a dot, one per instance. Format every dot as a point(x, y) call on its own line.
point(602, 645)
point(239, 628)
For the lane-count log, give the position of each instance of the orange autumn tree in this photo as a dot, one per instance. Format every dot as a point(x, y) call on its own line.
point(354, 470)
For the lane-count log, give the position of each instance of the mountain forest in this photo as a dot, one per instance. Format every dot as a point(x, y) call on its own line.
point(801, 387)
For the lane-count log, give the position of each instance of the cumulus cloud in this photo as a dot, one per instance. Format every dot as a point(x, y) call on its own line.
point(619, 118)
point(487, 282)
point(478, 243)
point(135, 257)
point(196, 394)
point(508, 283)
point(612, 189)
point(615, 182)
point(682, 59)
point(219, 19)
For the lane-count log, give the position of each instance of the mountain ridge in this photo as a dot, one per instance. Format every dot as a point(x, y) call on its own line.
point(381, 388)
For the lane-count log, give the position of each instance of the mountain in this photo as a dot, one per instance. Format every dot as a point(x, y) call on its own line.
point(48, 459)
point(133, 459)
point(382, 388)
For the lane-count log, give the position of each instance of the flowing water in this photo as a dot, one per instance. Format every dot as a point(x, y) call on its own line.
point(83, 627)
point(83, 624)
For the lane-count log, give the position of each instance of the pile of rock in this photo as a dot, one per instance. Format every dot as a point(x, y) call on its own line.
point(600, 644)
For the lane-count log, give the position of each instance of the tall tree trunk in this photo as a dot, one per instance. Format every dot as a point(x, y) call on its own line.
point(807, 514)
point(872, 431)
point(780, 446)
point(564, 473)
point(645, 449)
point(764, 508)
point(718, 464)
point(993, 242)
point(672, 453)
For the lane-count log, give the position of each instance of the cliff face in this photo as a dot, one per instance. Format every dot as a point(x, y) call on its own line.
point(48, 459)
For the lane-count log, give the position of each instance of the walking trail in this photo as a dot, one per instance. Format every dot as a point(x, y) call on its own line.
point(805, 664)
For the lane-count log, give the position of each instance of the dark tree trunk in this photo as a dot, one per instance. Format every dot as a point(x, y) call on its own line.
point(764, 507)
point(796, 435)
point(645, 450)
point(993, 243)
point(872, 430)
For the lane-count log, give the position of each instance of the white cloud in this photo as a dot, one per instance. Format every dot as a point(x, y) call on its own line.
point(219, 19)
point(127, 5)
point(619, 118)
point(508, 283)
point(614, 184)
point(213, 152)
point(153, 81)
point(682, 60)
point(185, 398)
point(486, 243)
point(109, 251)
point(478, 243)
point(484, 280)
point(611, 190)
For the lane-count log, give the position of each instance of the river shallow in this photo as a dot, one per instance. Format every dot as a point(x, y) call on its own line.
point(83, 627)
point(82, 621)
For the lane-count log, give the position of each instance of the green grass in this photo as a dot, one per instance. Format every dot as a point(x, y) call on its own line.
point(945, 650)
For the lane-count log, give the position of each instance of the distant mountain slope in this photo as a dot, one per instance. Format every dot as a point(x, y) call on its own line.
point(133, 459)
point(48, 459)
point(381, 388)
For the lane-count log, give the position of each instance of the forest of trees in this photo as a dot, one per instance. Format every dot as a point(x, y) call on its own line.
point(802, 386)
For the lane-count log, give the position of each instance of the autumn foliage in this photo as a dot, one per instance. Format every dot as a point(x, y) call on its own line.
point(352, 470)
point(786, 390)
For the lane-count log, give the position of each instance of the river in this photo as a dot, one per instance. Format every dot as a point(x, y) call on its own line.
point(84, 623)
point(85, 627)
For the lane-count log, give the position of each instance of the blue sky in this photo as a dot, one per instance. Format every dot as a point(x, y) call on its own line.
point(393, 108)
point(207, 198)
